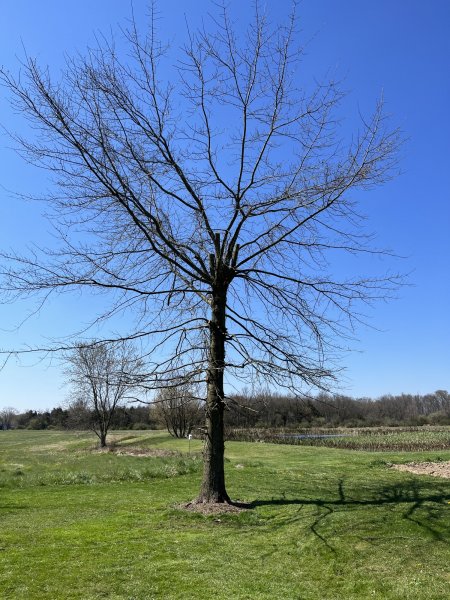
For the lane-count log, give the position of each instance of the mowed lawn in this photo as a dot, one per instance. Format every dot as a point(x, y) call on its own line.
point(325, 523)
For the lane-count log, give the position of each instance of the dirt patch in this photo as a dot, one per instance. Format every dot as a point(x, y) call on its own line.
point(144, 452)
point(436, 469)
point(215, 508)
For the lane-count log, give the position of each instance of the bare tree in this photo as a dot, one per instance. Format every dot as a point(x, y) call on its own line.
point(179, 410)
point(211, 196)
point(103, 377)
point(79, 412)
point(8, 416)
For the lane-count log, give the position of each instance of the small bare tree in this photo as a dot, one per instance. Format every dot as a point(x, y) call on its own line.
point(179, 410)
point(8, 417)
point(103, 377)
point(210, 199)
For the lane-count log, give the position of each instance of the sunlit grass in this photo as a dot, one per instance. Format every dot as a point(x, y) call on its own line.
point(325, 523)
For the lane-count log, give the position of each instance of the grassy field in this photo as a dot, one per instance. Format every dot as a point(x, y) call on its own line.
point(325, 523)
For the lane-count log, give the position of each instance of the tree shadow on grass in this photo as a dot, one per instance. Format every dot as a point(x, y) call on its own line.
point(421, 505)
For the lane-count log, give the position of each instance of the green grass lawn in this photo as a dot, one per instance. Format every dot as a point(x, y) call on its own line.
point(326, 523)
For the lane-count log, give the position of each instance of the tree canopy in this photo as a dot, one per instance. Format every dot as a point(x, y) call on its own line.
point(206, 198)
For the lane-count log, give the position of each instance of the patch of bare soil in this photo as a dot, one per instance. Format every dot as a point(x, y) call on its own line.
point(144, 452)
point(436, 469)
point(215, 508)
point(130, 451)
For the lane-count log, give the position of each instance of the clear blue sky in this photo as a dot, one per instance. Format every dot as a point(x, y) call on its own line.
point(399, 48)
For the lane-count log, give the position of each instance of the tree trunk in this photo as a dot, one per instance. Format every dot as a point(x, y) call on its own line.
point(102, 438)
point(213, 484)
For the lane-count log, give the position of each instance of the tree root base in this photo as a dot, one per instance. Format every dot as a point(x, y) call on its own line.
point(215, 508)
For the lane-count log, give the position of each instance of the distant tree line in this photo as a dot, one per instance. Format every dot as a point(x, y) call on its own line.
point(248, 410)
point(75, 417)
point(265, 409)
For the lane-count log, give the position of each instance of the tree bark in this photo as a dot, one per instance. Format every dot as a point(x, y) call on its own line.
point(102, 438)
point(213, 484)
